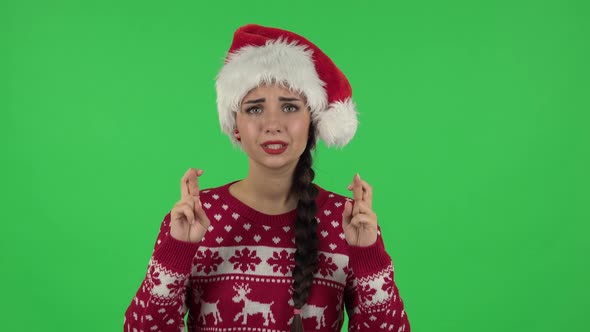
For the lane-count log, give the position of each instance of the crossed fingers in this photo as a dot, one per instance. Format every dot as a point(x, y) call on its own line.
point(362, 193)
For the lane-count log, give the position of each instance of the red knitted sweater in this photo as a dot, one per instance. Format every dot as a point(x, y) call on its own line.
point(238, 278)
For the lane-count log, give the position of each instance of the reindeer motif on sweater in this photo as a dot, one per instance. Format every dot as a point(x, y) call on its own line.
point(210, 308)
point(251, 307)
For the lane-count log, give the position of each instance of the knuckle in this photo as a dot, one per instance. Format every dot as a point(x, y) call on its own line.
point(185, 203)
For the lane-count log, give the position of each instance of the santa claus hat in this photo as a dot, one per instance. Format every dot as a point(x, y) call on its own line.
point(262, 55)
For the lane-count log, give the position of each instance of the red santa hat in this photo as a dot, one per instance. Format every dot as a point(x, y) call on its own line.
point(263, 55)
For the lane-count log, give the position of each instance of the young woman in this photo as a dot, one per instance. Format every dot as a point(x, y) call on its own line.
point(274, 251)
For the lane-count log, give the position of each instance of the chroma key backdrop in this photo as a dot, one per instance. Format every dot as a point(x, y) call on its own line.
point(473, 132)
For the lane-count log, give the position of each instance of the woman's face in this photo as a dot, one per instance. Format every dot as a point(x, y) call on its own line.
point(273, 124)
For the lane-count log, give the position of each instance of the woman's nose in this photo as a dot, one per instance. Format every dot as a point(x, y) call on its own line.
point(273, 122)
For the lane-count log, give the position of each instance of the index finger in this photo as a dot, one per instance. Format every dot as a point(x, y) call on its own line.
point(189, 184)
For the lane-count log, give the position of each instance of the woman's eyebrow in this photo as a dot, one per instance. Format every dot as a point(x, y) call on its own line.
point(255, 101)
point(288, 99)
point(262, 100)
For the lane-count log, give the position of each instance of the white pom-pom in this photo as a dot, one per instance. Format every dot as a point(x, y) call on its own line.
point(337, 125)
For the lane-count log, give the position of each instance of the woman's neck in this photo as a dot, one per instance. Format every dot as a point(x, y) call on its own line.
point(266, 192)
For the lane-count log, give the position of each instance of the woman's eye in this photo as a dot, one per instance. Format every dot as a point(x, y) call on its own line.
point(254, 110)
point(291, 108)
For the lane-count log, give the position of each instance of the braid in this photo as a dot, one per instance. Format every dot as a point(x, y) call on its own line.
point(306, 238)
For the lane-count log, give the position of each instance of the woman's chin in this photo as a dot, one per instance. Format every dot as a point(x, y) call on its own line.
point(277, 163)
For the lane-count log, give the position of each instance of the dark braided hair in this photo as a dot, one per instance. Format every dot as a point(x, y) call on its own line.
point(306, 237)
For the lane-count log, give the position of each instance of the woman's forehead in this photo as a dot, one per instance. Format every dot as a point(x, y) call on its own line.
point(274, 89)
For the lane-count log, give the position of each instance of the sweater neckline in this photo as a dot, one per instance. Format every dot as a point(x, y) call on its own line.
point(247, 212)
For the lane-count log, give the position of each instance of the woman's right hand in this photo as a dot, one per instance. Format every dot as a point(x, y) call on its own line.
point(188, 221)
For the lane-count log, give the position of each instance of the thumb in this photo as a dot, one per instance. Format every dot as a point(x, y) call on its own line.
point(347, 214)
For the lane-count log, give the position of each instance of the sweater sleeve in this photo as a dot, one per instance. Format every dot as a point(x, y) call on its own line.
point(372, 299)
point(160, 302)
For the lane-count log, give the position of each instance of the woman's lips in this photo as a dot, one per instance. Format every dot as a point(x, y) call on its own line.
point(274, 147)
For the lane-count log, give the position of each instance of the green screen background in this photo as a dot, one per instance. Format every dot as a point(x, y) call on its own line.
point(473, 132)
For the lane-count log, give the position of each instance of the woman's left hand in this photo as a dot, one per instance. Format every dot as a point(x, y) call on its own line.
point(360, 222)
